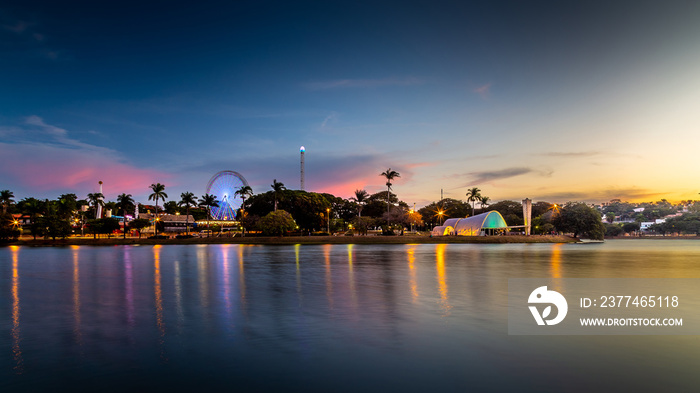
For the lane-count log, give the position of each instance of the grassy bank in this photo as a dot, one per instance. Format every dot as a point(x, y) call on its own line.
point(301, 240)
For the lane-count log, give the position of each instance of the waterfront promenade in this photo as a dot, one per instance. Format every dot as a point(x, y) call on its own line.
point(406, 239)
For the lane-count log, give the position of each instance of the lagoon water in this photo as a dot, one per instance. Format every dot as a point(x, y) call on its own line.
point(320, 318)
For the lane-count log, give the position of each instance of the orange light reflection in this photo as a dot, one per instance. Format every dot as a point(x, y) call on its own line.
point(412, 272)
point(442, 279)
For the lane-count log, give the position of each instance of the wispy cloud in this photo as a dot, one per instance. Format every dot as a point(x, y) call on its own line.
point(362, 83)
point(484, 90)
point(601, 195)
point(18, 27)
point(569, 154)
point(331, 118)
point(489, 176)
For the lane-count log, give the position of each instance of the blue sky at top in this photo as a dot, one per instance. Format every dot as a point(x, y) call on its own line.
point(552, 101)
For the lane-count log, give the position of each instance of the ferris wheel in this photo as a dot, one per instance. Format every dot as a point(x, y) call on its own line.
point(224, 186)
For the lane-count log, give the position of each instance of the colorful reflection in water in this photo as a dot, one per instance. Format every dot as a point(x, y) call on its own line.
point(76, 294)
point(129, 287)
point(16, 349)
point(158, 293)
point(398, 317)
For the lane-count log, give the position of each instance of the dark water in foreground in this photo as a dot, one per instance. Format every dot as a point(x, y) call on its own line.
point(320, 318)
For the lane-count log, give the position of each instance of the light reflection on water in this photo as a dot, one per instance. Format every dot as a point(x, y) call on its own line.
point(319, 318)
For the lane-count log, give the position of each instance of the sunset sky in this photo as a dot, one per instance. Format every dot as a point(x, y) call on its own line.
point(547, 100)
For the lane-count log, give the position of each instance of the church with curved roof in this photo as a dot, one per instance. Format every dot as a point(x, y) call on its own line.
point(479, 225)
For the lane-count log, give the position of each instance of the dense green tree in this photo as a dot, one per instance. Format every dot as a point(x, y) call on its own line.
point(34, 208)
point(688, 224)
point(580, 219)
point(610, 217)
point(277, 223)
point(362, 224)
point(451, 208)
point(612, 230)
point(103, 226)
point(511, 211)
point(248, 221)
point(630, 227)
point(307, 208)
point(375, 205)
point(9, 230)
point(53, 226)
point(540, 208)
point(171, 207)
point(138, 224)
point(67, 205)
point(342, 209)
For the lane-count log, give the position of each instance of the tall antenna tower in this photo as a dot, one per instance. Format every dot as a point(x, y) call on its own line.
point(302, 150)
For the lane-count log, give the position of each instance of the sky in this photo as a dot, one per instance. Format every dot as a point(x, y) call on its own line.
point(548, 100)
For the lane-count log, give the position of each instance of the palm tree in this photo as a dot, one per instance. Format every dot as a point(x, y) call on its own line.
point(125, 201)
point(473, 195)
point(96, 199)
point(158, 193)
point(484, 201)
point(360, 198)
point(277, 187)
point(6, 200)
point(246, 191)
point(390, 175)
point(208, 201)
point(187, 200)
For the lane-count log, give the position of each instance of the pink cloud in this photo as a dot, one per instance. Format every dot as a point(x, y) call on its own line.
point(43, 168)
point(483, 90)
point(344, 176)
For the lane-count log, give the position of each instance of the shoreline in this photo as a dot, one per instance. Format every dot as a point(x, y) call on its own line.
point(317, 240)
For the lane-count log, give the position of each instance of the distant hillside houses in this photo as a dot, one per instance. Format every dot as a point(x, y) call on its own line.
point(648, 215)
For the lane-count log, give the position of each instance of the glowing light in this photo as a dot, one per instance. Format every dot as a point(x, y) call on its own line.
point(224, 186)
point(302, 149)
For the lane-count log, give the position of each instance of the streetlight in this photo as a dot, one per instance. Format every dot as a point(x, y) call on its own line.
point(328, 214)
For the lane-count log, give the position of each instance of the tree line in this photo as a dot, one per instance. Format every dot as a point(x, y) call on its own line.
point(280, 210)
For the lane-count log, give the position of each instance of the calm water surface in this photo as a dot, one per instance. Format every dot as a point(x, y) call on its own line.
point(321, 318)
